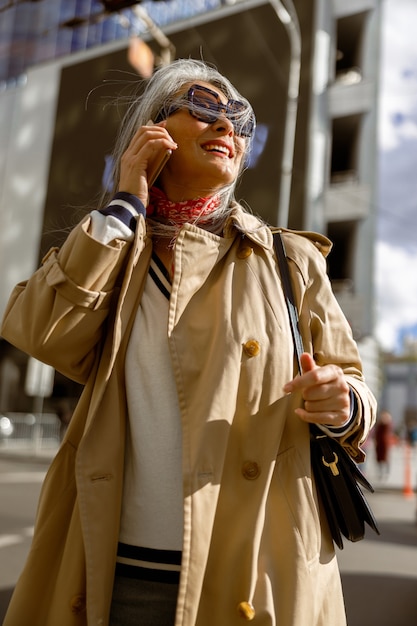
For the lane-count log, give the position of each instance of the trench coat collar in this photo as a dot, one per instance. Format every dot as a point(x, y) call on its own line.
point(260, 232)
point(251, 226)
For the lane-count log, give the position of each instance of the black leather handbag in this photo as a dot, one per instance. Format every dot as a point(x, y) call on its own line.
point(338, 478)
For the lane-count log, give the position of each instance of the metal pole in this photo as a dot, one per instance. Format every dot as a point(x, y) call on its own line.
point(287, 15)
point(166, 45)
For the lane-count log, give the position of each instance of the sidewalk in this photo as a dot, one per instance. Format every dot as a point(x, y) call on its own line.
point(400, 464)
point(379, 574)
point(402, 469)
point(28, 454)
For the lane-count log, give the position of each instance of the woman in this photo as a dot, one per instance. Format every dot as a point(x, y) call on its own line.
point(182, 493)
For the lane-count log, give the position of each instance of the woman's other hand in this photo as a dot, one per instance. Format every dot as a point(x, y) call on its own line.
point(325, 393)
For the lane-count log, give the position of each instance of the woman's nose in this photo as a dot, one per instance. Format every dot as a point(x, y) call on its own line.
point(223, 124)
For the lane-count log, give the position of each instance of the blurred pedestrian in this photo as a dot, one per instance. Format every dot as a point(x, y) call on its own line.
point(383, 441)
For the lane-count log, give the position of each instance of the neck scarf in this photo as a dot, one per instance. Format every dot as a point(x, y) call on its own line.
point(180, 212)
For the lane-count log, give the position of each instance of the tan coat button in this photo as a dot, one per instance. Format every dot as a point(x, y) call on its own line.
point(78, 604)
point(244, 252)
point(251, 470)
point(251, 348)
point(246, 610)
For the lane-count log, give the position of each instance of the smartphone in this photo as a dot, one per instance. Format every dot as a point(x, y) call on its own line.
point(159, 168)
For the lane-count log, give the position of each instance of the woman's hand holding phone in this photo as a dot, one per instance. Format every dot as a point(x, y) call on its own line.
point(144, 159)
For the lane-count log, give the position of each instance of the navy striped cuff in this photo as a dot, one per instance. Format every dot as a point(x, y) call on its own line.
point(125, 207)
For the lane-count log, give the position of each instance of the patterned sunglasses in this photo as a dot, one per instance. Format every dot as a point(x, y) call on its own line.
point(205, 105)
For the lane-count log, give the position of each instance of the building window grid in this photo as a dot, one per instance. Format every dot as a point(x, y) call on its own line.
point(31, 31)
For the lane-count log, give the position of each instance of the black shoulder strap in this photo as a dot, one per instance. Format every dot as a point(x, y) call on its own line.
point(289, 296)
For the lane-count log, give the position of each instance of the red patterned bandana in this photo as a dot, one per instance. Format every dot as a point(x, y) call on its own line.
point(183, 211)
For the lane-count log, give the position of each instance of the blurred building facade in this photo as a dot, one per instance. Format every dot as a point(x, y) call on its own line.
point(62, 64)
point(399, 395)
point(35, 31)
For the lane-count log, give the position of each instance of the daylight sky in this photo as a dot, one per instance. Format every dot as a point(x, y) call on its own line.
point(396, 254)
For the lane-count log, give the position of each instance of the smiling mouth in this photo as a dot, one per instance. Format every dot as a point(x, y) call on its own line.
point(219, 149)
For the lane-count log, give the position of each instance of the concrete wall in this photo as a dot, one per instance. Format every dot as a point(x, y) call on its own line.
point(27, 113)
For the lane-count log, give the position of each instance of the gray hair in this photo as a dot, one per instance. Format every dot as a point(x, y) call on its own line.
point(159, 91)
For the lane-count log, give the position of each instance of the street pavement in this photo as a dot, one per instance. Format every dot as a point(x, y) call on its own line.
point(20, 483)
point(379, 574)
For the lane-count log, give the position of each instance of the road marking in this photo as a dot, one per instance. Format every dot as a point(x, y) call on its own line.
point(12, 540)
point(22, 477)
point(378, 558)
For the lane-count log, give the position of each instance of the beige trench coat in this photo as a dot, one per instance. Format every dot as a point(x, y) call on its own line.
point(252, 528)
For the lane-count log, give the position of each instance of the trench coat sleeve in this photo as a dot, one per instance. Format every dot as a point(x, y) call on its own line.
point(326, 332)
point(59, 315)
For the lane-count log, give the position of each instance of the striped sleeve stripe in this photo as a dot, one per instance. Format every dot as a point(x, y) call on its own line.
point(125, 207)
point(122, 214)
